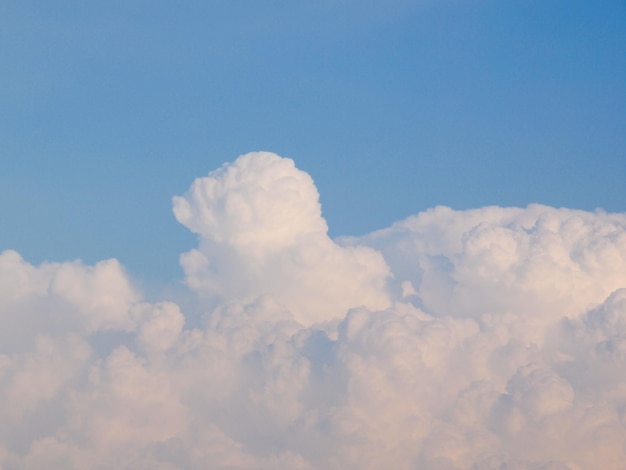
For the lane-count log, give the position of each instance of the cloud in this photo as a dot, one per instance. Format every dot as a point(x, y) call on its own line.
point(484, 339)
point(261, 232)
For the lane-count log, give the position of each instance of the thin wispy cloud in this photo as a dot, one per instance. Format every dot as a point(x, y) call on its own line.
point(487, 339)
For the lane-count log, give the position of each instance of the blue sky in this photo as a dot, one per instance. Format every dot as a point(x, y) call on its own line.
point(109, 109)
point(233, 330)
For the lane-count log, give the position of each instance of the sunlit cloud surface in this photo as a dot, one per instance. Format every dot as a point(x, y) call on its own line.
point(485, 339)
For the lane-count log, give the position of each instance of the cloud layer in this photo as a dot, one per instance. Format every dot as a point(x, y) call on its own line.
point(487, 339)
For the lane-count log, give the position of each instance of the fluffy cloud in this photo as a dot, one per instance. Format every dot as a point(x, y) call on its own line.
point(261, 232)
point(488, 339)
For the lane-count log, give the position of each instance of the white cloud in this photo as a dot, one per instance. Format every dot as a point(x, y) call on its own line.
point(484, 339)
point(261, 232)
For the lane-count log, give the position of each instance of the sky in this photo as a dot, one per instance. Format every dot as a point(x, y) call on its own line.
point(340, 234)
point(393, 107)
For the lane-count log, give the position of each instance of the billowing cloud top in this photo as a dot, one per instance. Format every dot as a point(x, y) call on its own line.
point(261, 202)
point(261, 232)
point(488, 339)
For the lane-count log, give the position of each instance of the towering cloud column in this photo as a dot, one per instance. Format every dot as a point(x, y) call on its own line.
point(261, 232)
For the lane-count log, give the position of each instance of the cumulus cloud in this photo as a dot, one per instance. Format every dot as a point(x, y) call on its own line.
point(487, 339)
point(261, 232)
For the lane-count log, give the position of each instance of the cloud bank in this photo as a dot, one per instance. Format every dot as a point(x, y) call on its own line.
point(487, 339)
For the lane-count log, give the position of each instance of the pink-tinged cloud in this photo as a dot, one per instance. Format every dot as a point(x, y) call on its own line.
point(487, 339)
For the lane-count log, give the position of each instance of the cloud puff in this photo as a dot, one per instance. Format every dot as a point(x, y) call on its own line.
point(537, 264)
point(487, 339)
point(261, 232)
